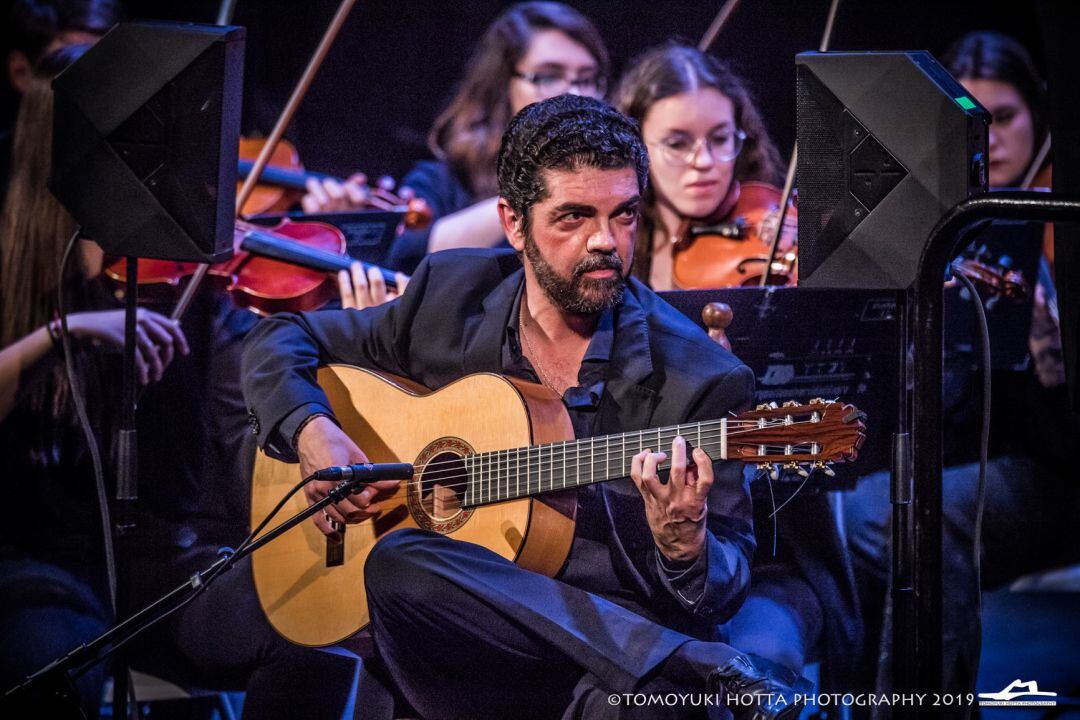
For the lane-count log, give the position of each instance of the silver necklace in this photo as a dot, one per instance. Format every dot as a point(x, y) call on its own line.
point(533, 354)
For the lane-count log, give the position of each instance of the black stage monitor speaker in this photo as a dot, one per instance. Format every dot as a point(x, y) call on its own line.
point(145, 137)
point(888, 142)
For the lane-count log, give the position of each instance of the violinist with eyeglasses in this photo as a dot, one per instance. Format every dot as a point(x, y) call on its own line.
point(531, 52)
point(712, 205)
point(712, 164)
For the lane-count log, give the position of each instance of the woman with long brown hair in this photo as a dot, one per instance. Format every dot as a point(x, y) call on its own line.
point(51, 568)
point(533, 51)
point(194, 446)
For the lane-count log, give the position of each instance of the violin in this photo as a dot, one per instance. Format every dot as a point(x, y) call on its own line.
point(284, 181)
point(290, 267)
point(732, 251)
point(1009, 284)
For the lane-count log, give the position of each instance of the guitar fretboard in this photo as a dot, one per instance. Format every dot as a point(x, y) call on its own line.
point(519, 472)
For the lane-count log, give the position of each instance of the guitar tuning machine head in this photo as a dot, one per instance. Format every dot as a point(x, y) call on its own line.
point(791, 403)
point(770, 469)
point(819, 401)
point(797, 467)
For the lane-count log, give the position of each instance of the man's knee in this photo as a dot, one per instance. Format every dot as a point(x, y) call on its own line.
point(399, 568)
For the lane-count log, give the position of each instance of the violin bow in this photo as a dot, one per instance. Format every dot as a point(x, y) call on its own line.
point(275, 135)
point(225, 12)
point(789, 179)
point(718, 23)
point(1037, 162)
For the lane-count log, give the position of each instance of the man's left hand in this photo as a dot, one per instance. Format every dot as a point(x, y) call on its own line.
point(676, 509)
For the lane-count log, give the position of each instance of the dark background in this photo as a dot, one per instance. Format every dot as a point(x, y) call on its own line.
point(396, 62)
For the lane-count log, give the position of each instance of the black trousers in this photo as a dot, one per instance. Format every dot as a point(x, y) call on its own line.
point(465, 633)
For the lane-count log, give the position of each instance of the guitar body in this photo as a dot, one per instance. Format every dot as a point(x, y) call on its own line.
point(312, 588)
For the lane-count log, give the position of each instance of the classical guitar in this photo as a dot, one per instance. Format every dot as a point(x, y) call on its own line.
point(494, 459)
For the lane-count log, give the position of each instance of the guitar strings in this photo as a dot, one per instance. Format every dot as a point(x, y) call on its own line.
point(492, 482)
point(734, 429)
point(402, 493)
point(493, 458)
point(497, 465)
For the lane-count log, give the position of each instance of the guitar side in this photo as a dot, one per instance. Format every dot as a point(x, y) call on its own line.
point(311, 601)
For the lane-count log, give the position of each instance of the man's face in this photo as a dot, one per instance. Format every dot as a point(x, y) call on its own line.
point(579, 242)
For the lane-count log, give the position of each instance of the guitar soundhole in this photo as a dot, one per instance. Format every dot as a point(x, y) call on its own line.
point(442, 487)
point(437, 491)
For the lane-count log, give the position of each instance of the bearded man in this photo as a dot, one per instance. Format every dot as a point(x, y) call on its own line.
point(656, 565)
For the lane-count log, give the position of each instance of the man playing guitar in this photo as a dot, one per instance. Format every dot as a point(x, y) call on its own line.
point(658, 560)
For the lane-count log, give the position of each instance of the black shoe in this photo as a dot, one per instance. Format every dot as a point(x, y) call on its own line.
point(760, 689)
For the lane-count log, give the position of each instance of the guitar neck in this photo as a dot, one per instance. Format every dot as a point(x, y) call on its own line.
point(521, 472)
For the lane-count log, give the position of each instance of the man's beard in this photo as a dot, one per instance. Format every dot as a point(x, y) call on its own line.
point(577, 294)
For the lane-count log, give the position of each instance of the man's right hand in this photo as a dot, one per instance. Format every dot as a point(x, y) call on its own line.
point(323, 444)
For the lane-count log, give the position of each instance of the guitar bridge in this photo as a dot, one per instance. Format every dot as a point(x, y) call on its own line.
point(335, 545)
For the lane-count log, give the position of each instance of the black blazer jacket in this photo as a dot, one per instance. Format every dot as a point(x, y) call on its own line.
point(451, 322)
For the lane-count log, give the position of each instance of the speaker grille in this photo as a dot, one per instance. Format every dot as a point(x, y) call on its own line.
point(821, 174)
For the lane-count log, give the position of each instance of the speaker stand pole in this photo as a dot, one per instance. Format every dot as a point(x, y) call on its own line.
point(127, 484)
point(902, 594)
point(920, 660)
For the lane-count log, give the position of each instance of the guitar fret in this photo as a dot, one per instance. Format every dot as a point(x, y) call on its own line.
point(564, 464)
point(607, 458)
point(467, 460)
point(539, 469)
point(577, 465)
point(622, 456)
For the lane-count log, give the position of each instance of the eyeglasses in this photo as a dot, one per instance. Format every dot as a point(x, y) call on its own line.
point(723, 146)
point(551, 84)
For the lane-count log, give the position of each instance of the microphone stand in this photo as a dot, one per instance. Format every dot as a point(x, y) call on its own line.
point(127, 482)
point(52, 683)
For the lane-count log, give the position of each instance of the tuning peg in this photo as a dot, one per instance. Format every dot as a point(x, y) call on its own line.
point(773, 405)
point(791, 403)
point(763, 406)
point(796, 467)
point(819, 401)
point(824, 467)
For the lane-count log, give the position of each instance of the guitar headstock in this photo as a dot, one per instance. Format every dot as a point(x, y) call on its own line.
point(797, 435)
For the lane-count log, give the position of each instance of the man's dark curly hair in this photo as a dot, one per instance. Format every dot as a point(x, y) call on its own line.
point(567, 132)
